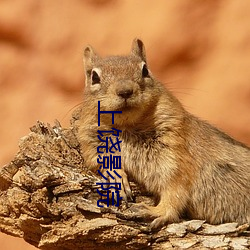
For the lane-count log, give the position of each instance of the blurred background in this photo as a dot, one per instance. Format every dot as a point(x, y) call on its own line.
point(199, 49)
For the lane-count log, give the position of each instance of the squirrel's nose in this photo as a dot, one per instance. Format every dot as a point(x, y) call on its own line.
point(124, 93)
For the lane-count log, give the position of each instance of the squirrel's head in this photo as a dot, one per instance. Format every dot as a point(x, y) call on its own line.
point(120, 83)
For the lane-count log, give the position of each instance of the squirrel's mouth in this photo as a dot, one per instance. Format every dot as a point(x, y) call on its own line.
point(126, 105)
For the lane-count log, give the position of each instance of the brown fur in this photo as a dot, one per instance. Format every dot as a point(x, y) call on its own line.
point(189, 165)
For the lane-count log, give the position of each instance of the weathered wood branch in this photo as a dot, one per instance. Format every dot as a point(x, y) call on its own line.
point(48, 197)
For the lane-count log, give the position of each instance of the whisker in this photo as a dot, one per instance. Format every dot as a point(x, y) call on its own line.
point(71, 109)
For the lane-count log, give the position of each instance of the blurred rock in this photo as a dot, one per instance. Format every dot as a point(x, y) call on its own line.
point(200, 49)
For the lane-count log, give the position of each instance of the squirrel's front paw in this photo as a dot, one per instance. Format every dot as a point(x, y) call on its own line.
point(125, 191)
point(141, 211)
point(160, 216)
point(139, 207)
point(158, 223)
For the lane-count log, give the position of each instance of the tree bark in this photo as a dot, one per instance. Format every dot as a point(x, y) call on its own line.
point(48, 197)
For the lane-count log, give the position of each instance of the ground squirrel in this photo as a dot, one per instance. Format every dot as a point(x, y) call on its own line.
point(191, 167)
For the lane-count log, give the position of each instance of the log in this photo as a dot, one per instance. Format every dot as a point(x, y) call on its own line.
point(48, 197)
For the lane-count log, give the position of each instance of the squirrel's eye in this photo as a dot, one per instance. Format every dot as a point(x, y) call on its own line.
point(145, 72)
point(95, 78)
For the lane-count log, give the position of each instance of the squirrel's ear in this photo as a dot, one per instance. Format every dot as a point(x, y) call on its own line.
point(89, 57)
point(138, 49)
